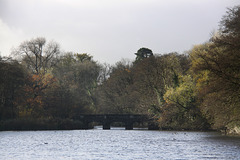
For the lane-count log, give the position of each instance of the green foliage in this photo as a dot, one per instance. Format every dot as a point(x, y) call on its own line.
point(143, 53)
point(77, 77)
point(156, 86)
point(83, 57)
point(180, 110)
point(183, 95)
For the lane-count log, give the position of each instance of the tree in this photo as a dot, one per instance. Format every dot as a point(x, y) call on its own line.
point(216, 71)
point(12, 77)
point(78, 76)
point(139, 87)
point(37, 55)
point(105, 71)
point(229, 31)
point(183, 95)
point(143, 53)
point(213, 66)
point(180, 110)
point(83, 57)
point(59, 101)
point(154, 75)
point(115, 95)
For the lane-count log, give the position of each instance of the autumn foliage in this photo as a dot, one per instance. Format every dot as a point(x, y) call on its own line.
point(198, 90)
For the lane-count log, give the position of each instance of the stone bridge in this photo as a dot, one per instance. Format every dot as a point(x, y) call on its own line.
point(107, 119)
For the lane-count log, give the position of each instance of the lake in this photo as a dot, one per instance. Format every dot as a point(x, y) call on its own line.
point(117, 143)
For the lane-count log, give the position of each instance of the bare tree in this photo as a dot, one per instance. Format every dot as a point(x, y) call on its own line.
point(37, 54)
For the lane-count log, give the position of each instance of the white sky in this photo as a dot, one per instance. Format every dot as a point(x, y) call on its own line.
point(110, 30)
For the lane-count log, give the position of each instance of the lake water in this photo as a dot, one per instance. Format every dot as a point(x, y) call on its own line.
point(117, 143)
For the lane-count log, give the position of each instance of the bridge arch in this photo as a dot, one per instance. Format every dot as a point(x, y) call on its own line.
point(107, 119)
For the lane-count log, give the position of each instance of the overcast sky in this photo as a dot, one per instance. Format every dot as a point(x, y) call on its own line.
point(110, 30)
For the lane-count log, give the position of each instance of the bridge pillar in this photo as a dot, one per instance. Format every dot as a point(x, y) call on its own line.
point(129, 126)
point(85, 125)
point(106, 126)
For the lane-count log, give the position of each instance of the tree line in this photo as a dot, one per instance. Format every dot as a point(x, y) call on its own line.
point(197, 90)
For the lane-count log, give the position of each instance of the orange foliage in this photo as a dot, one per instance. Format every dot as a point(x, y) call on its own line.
point(32, 98)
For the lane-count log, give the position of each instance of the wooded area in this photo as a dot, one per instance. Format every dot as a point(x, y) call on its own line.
point(43, 88)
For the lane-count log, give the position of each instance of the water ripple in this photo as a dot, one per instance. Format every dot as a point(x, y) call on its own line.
point(117, 144)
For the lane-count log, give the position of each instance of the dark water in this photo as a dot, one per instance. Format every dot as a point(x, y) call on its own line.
point(117, 144)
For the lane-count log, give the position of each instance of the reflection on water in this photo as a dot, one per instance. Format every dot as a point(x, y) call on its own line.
point(118, 128)
point(117, 143)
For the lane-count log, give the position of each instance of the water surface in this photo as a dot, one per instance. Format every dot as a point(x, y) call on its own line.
point(119, 144)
